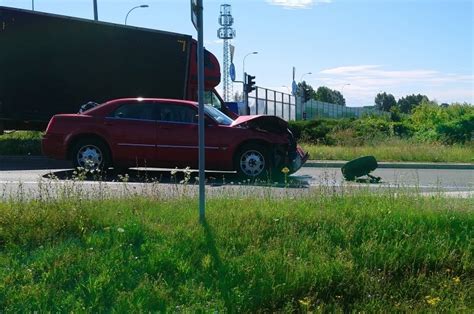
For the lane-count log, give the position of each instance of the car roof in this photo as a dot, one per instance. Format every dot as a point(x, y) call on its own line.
point(105, 107)
point(141, 99)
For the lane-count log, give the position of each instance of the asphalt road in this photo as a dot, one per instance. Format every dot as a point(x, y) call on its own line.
point(33, 177)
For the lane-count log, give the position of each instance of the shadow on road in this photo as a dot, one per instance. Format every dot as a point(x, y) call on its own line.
point(31, 163)
point(166, 177)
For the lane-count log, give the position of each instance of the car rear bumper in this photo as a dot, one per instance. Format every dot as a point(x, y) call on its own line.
point(53, 146)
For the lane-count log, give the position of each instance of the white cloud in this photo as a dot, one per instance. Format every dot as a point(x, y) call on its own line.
point(355, 69)
point(367, 80)
point(297, 4)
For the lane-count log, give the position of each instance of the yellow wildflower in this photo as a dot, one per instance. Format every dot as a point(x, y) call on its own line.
point(432, 300)
point(285, 170)
point(457, 280)
point(305, 302)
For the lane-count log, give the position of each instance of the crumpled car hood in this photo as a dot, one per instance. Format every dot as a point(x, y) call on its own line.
point(261, 122)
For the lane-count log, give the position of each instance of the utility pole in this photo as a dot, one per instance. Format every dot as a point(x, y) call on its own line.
point(96, 15)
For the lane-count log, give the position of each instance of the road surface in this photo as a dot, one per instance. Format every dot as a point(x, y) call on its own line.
point(32, 177)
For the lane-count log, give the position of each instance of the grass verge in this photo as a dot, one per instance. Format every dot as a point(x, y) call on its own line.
point(20, 143)
point(395, 150)
point(325, 252)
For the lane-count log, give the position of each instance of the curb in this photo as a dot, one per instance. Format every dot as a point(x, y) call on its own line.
point(308, 164)
point(393, 165)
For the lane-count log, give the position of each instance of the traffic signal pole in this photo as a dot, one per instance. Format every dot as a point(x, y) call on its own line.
point(249, 86)
point(246, 96)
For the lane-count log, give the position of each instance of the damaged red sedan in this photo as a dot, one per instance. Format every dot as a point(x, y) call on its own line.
point(150, 132)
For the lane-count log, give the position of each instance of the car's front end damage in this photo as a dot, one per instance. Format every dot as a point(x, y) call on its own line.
point(284, 154)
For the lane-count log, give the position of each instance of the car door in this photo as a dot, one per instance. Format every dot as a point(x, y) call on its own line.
point(132, 134)
point(178, 138)
point(177, 135)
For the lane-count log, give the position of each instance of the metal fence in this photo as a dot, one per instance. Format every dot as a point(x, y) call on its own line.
point(289, 107)
point(318, 109)
point(271, 102)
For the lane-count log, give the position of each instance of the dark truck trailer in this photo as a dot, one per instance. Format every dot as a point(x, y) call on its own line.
point(52, 64)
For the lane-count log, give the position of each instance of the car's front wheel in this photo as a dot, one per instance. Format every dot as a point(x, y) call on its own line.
point(90, 154)
point(251, 161)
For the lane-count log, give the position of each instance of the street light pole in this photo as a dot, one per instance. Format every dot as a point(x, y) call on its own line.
point(301, 78)
point(32, 5)
point(96, 14)
point(342, 89)
point(138, 6)
point(289, 91)
point(243, 63)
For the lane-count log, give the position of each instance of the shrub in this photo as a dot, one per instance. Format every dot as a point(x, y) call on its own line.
point(402, 129)
point(313, 131)
point(459, 131)
point(429, 123)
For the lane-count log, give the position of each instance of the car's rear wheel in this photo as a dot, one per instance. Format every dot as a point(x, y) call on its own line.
point(251, 161)
point(90, 154)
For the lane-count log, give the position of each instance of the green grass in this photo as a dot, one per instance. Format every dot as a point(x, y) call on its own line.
point(395, 150)
point(324, 252)
point(20, 143)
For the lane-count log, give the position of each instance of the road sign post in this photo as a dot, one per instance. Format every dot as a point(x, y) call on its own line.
point(96, 15)
point(197, 19)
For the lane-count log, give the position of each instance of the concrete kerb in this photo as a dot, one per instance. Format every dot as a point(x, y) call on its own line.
point(309, 163)
point(394, 165)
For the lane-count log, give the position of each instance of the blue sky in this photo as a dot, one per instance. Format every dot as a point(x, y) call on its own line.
point(397, 46)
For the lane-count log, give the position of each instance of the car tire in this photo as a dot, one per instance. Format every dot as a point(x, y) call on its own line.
point(91, 154)
point(359, 167)
point(251, 162)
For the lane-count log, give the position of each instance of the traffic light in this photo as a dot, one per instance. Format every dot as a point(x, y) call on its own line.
point(249, 83)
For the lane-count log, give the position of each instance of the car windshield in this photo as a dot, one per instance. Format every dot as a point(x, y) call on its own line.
point(217, 115)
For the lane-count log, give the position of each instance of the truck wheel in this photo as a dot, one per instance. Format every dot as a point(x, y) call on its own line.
point(91, 154)
point(251, 161)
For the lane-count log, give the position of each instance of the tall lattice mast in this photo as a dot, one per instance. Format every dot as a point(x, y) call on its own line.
point(226, 32)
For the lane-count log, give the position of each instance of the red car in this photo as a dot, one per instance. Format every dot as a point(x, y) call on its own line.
point(148, 132)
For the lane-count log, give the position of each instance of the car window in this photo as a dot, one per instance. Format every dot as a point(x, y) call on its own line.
point(139, 111)
point(217, 115)
point(211, 99)
point(177, 113)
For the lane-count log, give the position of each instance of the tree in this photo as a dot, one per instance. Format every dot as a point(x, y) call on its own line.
point(384, 101)
point(305, 86)
point(408, 103)
point(338, 98)
point(326, 94)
